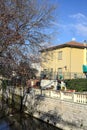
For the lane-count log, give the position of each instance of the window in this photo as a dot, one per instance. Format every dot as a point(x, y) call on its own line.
point(60, 55)
point(51, 69)
point(45, 70)
point(44, 57)
point(59, 70)
point(52, 55)
point(45, 73)
point(51, 73)
point(60, 76)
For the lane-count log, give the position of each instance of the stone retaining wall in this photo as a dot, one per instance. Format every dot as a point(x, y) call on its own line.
point(62, 114)
point(60, 110)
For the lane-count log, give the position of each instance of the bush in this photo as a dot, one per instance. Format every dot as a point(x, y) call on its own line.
point(77, 84)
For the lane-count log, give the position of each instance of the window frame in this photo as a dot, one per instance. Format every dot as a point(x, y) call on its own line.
point(60, 55)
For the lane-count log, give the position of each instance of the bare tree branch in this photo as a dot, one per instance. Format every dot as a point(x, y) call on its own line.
point(22, 24)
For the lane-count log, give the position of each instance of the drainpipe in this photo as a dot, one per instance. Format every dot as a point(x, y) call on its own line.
point(70, 60)
point(85, 53)
point(85, 56)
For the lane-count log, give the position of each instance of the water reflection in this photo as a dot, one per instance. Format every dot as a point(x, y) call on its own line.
point(13, 120)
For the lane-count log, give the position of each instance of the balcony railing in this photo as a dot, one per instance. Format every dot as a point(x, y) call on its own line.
point(64, 75)
point(77, 97)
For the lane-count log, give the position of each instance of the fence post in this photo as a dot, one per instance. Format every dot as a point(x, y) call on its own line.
point(61, 95)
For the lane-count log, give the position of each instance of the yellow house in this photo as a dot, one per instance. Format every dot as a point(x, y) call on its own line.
point(65, 60)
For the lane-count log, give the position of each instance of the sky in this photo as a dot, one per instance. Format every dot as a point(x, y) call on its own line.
point(70, 21)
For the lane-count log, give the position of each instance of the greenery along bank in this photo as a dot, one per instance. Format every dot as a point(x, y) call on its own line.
point(79, 85)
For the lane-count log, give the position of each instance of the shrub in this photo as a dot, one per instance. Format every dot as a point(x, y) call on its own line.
point(77, 84)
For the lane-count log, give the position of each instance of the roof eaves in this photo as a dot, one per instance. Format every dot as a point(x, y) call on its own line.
point(64, 45)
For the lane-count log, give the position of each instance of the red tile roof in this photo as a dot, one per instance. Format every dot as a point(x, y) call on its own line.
point(73, 44)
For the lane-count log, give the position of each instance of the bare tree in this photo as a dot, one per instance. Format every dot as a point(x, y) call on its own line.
point(23, 25)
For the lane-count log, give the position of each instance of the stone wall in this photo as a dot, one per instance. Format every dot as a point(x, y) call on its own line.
point(61, 109)
point(63, 114)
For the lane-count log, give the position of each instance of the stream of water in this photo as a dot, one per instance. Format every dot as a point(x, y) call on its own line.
point(14, 120)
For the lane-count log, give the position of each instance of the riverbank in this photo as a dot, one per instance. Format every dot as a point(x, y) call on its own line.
point(48, 106)
point(12, 119)
point(66, 115)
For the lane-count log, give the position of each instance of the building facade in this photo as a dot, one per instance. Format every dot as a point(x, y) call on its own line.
point(65, 61)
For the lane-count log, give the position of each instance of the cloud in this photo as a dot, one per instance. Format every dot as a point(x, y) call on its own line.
point(78, 16)
point(80, 24)
point(77, 26)
point(81, 29)
point(77, 29)
point(58, 25)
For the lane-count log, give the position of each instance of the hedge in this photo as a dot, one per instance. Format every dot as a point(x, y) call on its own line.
point(77, 84)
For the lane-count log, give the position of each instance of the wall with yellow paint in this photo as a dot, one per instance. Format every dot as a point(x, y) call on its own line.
point(72, 60)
